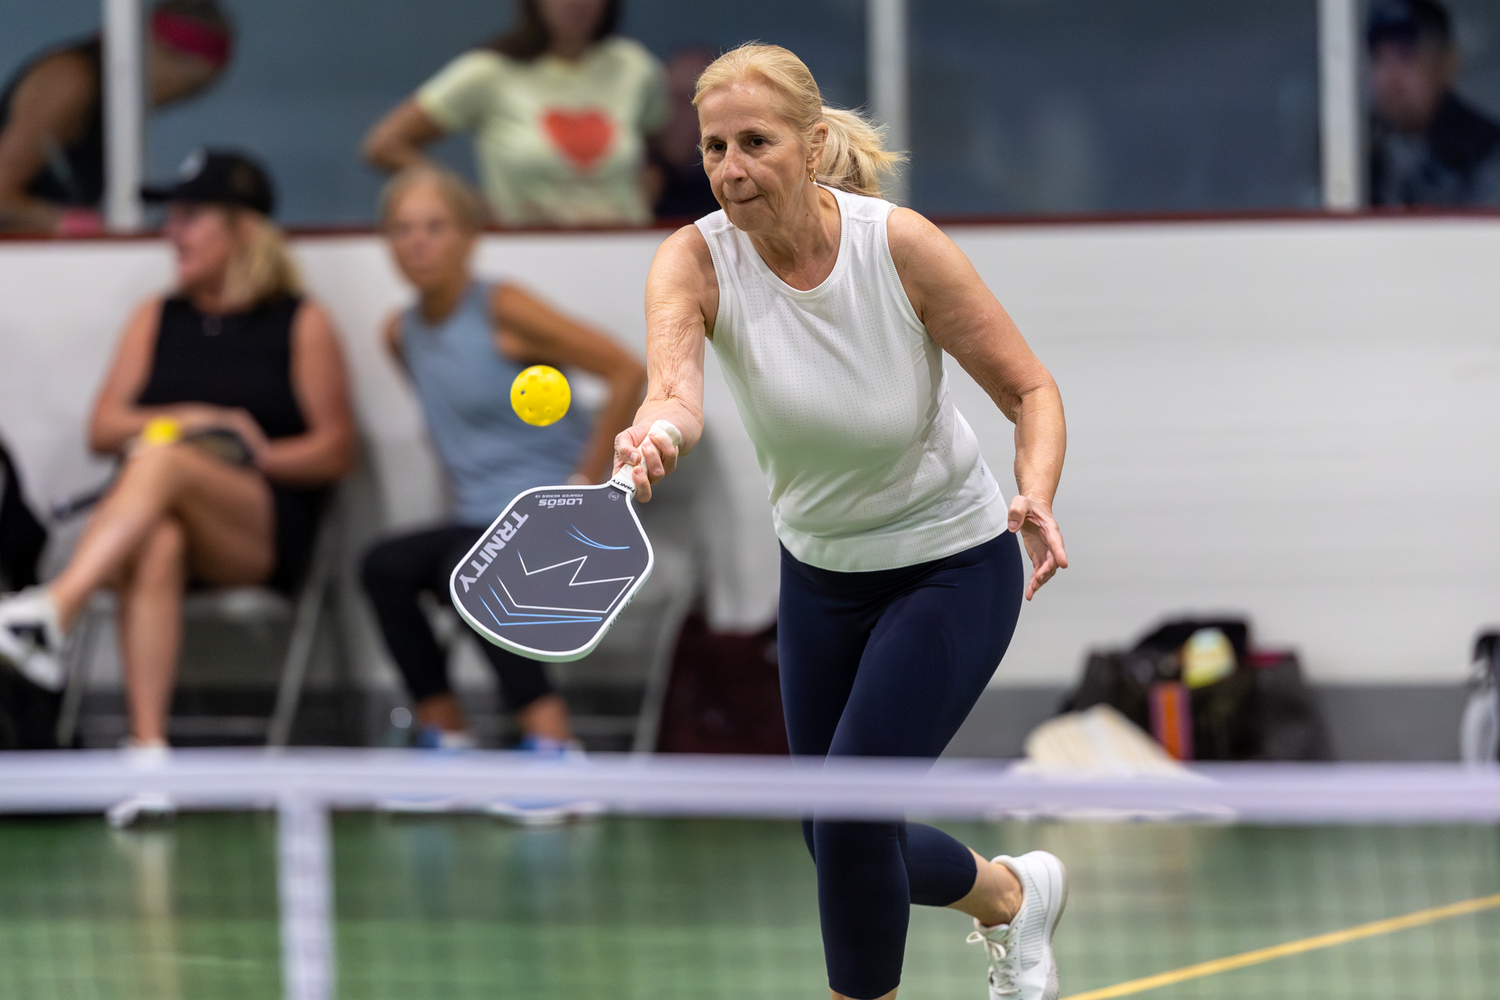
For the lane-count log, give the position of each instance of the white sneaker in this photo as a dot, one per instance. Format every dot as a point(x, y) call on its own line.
point(31, 640)
point(542, 812)
point(1021, 961)
point(147, 807)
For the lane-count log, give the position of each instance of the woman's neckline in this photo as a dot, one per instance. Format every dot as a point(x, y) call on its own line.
point(458, 304)
point(554, 59)
point(239, 309)
point(840, 254)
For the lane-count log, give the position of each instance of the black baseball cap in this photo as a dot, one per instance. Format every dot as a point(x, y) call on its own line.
point(218, 177)
point(1408, 22)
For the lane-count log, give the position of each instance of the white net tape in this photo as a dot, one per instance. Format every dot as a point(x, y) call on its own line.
point(748, 786)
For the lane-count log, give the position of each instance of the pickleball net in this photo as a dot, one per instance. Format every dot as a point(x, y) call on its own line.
point(387, 874)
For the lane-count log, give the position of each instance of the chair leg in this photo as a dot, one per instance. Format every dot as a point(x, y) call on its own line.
point(294, 667)
point(309, 614)
point(648, 723)
point(80, 659)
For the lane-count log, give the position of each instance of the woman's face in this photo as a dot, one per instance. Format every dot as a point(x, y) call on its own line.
point(204, 239)
point(430, 246)
point(571, 23)
point(755, 160)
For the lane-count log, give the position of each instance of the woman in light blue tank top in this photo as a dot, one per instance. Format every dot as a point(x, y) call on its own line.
point(459, 373)
point(461, 344)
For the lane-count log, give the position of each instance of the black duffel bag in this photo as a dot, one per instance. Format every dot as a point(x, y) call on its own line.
point(1262, 710)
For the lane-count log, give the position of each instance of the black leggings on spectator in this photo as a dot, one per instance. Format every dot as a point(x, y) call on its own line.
point(399, 569)
point(888, 664)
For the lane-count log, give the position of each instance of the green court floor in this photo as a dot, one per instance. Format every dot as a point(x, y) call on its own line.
point(461, 907)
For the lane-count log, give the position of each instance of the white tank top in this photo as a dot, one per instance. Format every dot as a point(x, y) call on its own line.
point(870, 467)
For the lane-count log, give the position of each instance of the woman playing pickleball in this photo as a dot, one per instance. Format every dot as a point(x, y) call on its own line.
point(901, 577)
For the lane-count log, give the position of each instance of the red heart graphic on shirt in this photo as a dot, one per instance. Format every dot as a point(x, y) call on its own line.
point(582, 136)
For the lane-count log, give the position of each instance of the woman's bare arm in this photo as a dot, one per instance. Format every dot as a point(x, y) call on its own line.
point(48, 110)
point(528, 329)
point(397, 140)
point(964, 318)
point(682, 298)
point(116, 419)
point(325, 452)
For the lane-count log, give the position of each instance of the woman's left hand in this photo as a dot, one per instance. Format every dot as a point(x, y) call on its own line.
point(1032, 517)
point(198, 416)
point(243, 424)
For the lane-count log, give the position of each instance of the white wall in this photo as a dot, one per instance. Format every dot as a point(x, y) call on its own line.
point(1298, 420)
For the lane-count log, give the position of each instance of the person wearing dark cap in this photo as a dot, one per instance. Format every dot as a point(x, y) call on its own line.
point(1428, 146)
point(52, 115)
point(227, 400)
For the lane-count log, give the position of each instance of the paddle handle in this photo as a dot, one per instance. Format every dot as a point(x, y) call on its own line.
point(624, 479)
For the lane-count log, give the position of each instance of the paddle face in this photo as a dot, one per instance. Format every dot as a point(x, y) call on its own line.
point(553, 572)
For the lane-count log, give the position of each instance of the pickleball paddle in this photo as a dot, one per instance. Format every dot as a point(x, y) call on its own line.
point(557, 567)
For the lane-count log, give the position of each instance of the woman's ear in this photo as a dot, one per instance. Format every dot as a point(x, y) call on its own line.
point(816, 147)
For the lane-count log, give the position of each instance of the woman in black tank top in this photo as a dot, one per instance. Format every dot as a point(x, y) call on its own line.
point(238, 353)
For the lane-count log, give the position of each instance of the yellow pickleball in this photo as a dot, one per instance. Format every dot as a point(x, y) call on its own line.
point(161, 430)
point(540, 395)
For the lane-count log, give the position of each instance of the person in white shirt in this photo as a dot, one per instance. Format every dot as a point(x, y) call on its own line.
point(901, 582)
point(561, 109)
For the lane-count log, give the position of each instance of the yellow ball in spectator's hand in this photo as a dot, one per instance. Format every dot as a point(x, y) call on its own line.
point(161, 430)
point(540, 395)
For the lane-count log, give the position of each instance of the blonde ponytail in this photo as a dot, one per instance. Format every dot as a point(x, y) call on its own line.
point(854, 155)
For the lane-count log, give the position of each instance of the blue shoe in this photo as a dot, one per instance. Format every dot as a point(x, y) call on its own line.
point(433, 738)
point(546, 746)
point(542, 811)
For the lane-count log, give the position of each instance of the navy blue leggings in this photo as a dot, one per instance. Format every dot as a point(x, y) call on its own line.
point(888, 664)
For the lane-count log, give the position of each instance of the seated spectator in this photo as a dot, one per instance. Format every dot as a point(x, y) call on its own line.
point(1429, 146)
point(228, 401)
point(461, 344)
point(685, 192)
point(52, 115)
point(560, 107)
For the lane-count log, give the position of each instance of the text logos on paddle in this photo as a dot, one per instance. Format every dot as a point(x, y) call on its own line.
point(486, 554)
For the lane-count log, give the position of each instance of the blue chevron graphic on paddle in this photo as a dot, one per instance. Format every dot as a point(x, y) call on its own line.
point(544, 589)
point(517, 617)
point(585, 539)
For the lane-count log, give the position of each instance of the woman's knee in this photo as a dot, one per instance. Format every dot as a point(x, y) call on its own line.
point(162, 559)
point(161, 466)
point(853, 843)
